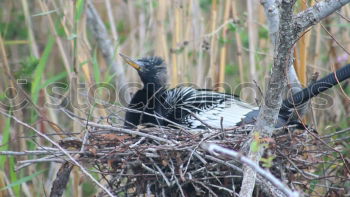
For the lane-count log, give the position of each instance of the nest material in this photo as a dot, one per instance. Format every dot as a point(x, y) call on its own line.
point(170, 162)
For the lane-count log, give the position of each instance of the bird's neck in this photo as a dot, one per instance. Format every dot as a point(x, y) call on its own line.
point(154, 88)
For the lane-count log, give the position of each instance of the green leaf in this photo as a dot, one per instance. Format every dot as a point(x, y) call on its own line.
point(39, 71)
point(267, 162)
point(255, 146)
point(59, 28)
point(4, 142)
point(55, 78)
point(222, 41)
point(27, 68)
point(23, 180)
point(263, 33)
point(79, 9)
point(13, 176)
point(45, 13)
point(72, 37)
point(232, 27)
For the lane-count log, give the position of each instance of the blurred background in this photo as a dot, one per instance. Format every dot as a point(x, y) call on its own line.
point(219, 44)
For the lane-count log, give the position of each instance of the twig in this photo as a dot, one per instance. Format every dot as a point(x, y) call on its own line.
point(132, 132)
point(34, 152)
point(84, 171)
point(161, 172)
point(220, 151)
point(176, 179)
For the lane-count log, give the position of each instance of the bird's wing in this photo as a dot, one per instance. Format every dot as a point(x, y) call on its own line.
point(190, 106)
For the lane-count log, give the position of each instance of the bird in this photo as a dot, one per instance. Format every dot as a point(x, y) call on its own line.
point(156, 104)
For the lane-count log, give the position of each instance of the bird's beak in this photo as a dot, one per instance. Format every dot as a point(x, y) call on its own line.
point(131, 62)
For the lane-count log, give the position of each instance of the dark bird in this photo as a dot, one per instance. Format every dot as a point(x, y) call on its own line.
point(200, 108)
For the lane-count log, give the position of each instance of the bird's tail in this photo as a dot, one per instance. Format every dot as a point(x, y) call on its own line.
point(314, 89)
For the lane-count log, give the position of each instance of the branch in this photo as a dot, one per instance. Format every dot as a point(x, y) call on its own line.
point(218, 150)
point(62, 178)
point(271, 8)
point(289, 29)
point(99, 31)
point(316, 13)
point(273, 96)
point(273, 18)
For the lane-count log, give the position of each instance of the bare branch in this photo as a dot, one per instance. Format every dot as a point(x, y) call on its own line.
point(99, 31)
point(273, 19)
point(60, 183)
point(316, 13)
point(273, 96)
point(220, 151)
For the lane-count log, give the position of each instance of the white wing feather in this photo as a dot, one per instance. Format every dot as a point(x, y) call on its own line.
point(211, 106)
point(232, 112)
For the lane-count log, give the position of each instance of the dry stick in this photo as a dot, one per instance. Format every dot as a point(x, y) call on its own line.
point(303, 46)
point(175, 42)
point(218, 29)
point(99, 31)
point(58, 39)
point(220, 151)
point(35, 152)
point(223, 50)
point(172, 168)
point(161, 172)
point(111, 20)
point(239, 44)
point(61, 149)
point(266, 186)
point(161, 48)
point(313, 63)
point(132, 132)
point(198, 42)
point(336, 133)
point(252, 39)
point(206, 187)
point(213, 42)
point(33, 45)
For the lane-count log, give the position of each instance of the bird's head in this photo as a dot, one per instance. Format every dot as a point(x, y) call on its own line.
point(152, 70)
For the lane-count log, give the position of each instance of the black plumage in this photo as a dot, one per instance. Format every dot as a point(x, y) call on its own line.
point(147, 102)
point(190, 107)
point(155, 104)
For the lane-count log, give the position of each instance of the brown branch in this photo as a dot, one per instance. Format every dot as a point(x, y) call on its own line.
point(62, 178)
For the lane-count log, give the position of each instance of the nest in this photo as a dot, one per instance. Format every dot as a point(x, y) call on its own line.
point(170, 162)
point(166, 161)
